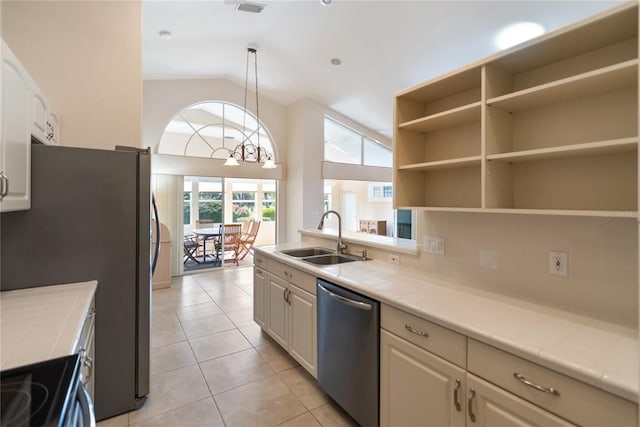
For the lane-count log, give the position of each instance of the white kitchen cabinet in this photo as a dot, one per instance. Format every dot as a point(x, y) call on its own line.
point(259, 296)
point(86, 348)
point(566, 397)
point(53, 129)
point(15, 150)
point(417, 387)
point(489, 406)
point(431, 375)
point(39, 106)
point(278, 310)
point(44, 122)
point(291, 315)
point(285, 308)
point(302, 328)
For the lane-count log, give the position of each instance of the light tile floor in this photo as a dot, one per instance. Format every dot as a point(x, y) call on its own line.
point(211, 365)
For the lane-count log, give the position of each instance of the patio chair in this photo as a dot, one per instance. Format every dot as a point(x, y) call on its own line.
point(245, 227)
point(203, 223)
point(191, 247)
point(229, 245)
point(247, 240)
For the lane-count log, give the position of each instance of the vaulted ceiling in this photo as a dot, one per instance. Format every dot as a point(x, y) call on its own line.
point(383, 46)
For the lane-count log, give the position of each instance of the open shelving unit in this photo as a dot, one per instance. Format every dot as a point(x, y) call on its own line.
point(547, 127)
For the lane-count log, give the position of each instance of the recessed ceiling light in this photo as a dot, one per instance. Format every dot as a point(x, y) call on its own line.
point(336, 61)
point(517, 33)
point(164, 34)
point(325, 2)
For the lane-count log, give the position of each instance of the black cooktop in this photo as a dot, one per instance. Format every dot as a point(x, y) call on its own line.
point(38, 394)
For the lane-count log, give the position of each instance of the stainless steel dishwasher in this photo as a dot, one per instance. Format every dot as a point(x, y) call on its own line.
point(348, 350)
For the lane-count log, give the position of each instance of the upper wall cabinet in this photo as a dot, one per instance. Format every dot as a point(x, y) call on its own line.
point(15, 145)
point(550, 127)
point(26, 112)
point(44, 123)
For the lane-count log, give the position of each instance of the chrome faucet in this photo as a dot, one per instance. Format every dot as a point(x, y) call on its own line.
point(340, 246)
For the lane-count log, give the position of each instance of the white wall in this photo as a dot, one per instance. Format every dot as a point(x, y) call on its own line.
point(303, 186)
point(87, 58)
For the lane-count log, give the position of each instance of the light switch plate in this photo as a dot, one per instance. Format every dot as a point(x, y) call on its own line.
point(434, 245)
point(488, 258)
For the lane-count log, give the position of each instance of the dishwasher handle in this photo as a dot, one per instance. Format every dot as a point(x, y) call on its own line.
point(355, 304)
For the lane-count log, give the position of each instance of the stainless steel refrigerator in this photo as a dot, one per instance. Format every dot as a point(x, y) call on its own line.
point(90, 218)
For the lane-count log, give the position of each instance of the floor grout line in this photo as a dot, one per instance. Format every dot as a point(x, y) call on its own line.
point(223, 279)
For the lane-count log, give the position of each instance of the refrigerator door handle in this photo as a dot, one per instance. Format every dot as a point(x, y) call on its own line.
point(156, 250)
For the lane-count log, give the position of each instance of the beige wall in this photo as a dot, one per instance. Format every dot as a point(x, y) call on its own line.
point(303, 186)
point(602, 259)
point(86, 56)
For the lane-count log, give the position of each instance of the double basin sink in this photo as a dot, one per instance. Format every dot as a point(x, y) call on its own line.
point(320, 256)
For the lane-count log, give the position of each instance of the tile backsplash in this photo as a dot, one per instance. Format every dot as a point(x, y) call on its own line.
point(602, 280)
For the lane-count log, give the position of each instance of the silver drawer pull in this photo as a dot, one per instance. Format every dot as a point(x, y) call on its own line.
point(472, 395)
point(523, 380)
point(286, 273)
point(455, 395)
point(415, 331)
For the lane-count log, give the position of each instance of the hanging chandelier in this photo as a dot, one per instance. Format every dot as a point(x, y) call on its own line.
point(247, 151)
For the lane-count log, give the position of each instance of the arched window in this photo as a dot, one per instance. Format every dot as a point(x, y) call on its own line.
point(212, 129)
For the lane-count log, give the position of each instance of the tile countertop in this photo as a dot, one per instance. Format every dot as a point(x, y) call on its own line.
point(601, 354)
point(42, 323)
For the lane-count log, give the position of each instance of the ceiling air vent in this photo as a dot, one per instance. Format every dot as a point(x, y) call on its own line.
point(250, 7)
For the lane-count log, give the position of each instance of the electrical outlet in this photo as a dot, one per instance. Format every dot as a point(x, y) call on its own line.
point(433, 245)
point(558, 263)
point(393, 259)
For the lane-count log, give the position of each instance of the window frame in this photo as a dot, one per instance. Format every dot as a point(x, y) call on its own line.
point(363, 139)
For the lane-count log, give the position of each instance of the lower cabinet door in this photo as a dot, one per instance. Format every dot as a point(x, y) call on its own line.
point(278, 310)
point(303, 329)
point(418, 388)
point(491, 406)
point(260, 296)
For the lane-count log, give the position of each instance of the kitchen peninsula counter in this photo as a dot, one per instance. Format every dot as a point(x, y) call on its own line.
point(597, 353)
point(42, 323)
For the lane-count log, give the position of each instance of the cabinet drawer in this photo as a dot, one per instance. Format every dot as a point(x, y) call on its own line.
point(444, 342)
point(573, 400)
point(259, 260)
point(294, 276)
